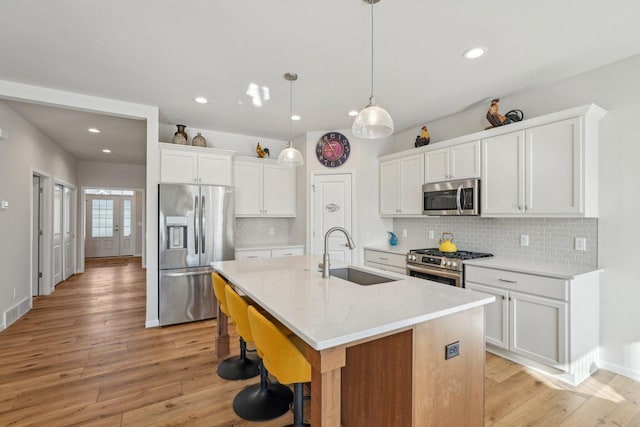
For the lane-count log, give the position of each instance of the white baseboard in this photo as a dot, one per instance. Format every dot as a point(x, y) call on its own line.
point(620, 370)
point(152, 323)
point(15, 312)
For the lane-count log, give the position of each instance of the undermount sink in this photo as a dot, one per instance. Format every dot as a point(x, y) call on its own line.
point(359, 277)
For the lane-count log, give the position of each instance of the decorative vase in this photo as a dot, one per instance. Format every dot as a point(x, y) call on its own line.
point(393, 239)
point(199, 141)
point(180, 137)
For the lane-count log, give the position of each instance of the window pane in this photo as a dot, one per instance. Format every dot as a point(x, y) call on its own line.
point(126, 229)
point(101, 218)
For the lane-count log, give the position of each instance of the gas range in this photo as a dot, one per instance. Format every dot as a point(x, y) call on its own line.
point(448, 260)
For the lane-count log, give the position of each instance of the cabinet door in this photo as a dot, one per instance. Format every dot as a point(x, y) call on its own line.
point(538, 329)
point(283, 252)
point(279, 191)
point(247, 178)
point(436, 165)
point(214, 169)
point(496, 315)
point(465, 160)
point(502, 183)
point(553, 155)
point(411, 176)
point(178, 166)
point(389, 186)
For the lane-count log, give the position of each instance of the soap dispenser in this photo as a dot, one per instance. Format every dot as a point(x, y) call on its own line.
point(393, 239)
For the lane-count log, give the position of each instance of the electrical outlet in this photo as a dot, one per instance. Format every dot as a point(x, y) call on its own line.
point(452, 350)
point(431, 234)
point(272, 231)
point(581, 244)
point(404, 232)
point(524, 240)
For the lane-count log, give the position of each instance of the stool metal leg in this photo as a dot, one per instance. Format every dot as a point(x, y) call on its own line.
point(264, 401)
point(239, 367)
point(298, 402)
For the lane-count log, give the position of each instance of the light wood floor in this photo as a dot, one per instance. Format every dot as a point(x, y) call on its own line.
point(82, 356)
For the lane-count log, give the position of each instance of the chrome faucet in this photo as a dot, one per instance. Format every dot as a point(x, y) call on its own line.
point(325, 257)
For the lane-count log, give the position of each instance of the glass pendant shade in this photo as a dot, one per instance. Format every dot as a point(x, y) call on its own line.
point(372, 122)
point(290, 157)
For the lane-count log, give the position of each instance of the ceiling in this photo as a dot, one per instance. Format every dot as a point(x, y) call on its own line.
point(166, 52)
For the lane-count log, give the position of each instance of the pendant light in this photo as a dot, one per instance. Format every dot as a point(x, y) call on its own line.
point(290, 156)
point(373, 122)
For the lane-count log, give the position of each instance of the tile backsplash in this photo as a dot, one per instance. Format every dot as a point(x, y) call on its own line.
point(551, 240)
point(255, 231)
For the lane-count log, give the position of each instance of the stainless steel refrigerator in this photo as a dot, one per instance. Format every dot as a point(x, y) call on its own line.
point(196, 228)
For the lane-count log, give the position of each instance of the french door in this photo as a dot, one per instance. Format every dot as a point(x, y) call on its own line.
point(110, 230)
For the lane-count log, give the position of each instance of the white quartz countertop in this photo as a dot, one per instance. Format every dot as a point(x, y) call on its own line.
point(274, 246)
point(330, 312)
point(559, 271)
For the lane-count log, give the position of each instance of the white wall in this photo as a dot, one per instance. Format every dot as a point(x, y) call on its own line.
point(111, 175)
point(25, 150)
point(616, 87)
point(368, 227)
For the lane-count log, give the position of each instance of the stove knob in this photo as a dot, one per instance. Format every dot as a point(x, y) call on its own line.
point(455, 264)
point(448, 263)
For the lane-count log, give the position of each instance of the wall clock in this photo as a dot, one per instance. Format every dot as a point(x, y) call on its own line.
point(333, 149)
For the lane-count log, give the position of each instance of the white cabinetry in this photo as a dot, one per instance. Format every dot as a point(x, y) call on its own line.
point(275, 252)
point(195, 165)
point(401, 182)
point(541, 321)
point(549, 170)
point(263, 188)
point(455, 162)
point(385, 260)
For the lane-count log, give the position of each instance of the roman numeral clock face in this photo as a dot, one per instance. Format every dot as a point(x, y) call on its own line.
point(333, 149)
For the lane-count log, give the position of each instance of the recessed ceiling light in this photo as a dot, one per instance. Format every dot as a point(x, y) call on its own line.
point(295, 117)
point(200, 100)
point(353, 113)
point(106, 150)
point(474, 52)
point(94, 130)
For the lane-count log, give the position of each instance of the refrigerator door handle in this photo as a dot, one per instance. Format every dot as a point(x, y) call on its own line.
point(202, 224)
point(196, 214)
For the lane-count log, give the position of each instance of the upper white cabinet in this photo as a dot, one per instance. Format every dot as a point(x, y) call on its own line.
point(263, 188)
point(401, 180)
point(548, 170)
point(455, 162)
point(195, 165)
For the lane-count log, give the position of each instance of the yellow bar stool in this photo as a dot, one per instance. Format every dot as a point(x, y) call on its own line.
point(266, 400)
point(284, 357)
point(239, 367)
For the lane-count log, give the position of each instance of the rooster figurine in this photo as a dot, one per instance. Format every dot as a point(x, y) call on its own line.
point(261, 153)
point(496, 119)
point(423, 138)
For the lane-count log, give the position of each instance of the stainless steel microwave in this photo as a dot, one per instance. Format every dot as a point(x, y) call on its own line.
point(460, 197)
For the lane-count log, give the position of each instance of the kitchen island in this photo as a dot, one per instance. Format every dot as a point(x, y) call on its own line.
point(379, 352)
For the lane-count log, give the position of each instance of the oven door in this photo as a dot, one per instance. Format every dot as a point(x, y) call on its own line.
point(435, 274)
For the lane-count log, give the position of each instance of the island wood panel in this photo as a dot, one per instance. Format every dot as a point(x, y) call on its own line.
point(449, 392)
point(376, 382)
point(325, 385)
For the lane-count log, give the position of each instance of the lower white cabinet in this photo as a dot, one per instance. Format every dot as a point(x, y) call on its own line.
point(385, 261)
point(276, 252)
point(541, 321)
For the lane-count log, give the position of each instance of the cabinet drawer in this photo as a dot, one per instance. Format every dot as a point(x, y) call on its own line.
point(275, 253)
point(537, 285)
point(262, 253)
point(394, 260)
point(386, 267)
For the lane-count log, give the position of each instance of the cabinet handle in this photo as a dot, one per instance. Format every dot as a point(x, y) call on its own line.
point(383, 259)
point(502, 296)
point(287, 254)
point(507, 281)
point(252, 256)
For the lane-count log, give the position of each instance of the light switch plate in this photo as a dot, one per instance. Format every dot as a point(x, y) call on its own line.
point(4, 204)
point(581, 244)
point(524, 240)
point(3, 134)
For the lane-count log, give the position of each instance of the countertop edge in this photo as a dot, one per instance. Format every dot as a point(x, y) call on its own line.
point(398, 250)
point(559, 271)
point(276, 246)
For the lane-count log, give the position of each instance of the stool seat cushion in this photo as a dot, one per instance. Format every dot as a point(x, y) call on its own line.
point(280, 355)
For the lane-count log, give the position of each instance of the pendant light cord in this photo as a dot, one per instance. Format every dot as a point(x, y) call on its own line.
point(371, 97)
point(290, 111)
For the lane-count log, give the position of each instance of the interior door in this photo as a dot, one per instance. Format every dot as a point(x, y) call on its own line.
point(68, 234)
point(103, 230)
point(332, 208)
point(36, 254)
point(57, 234)
point(126, 221)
